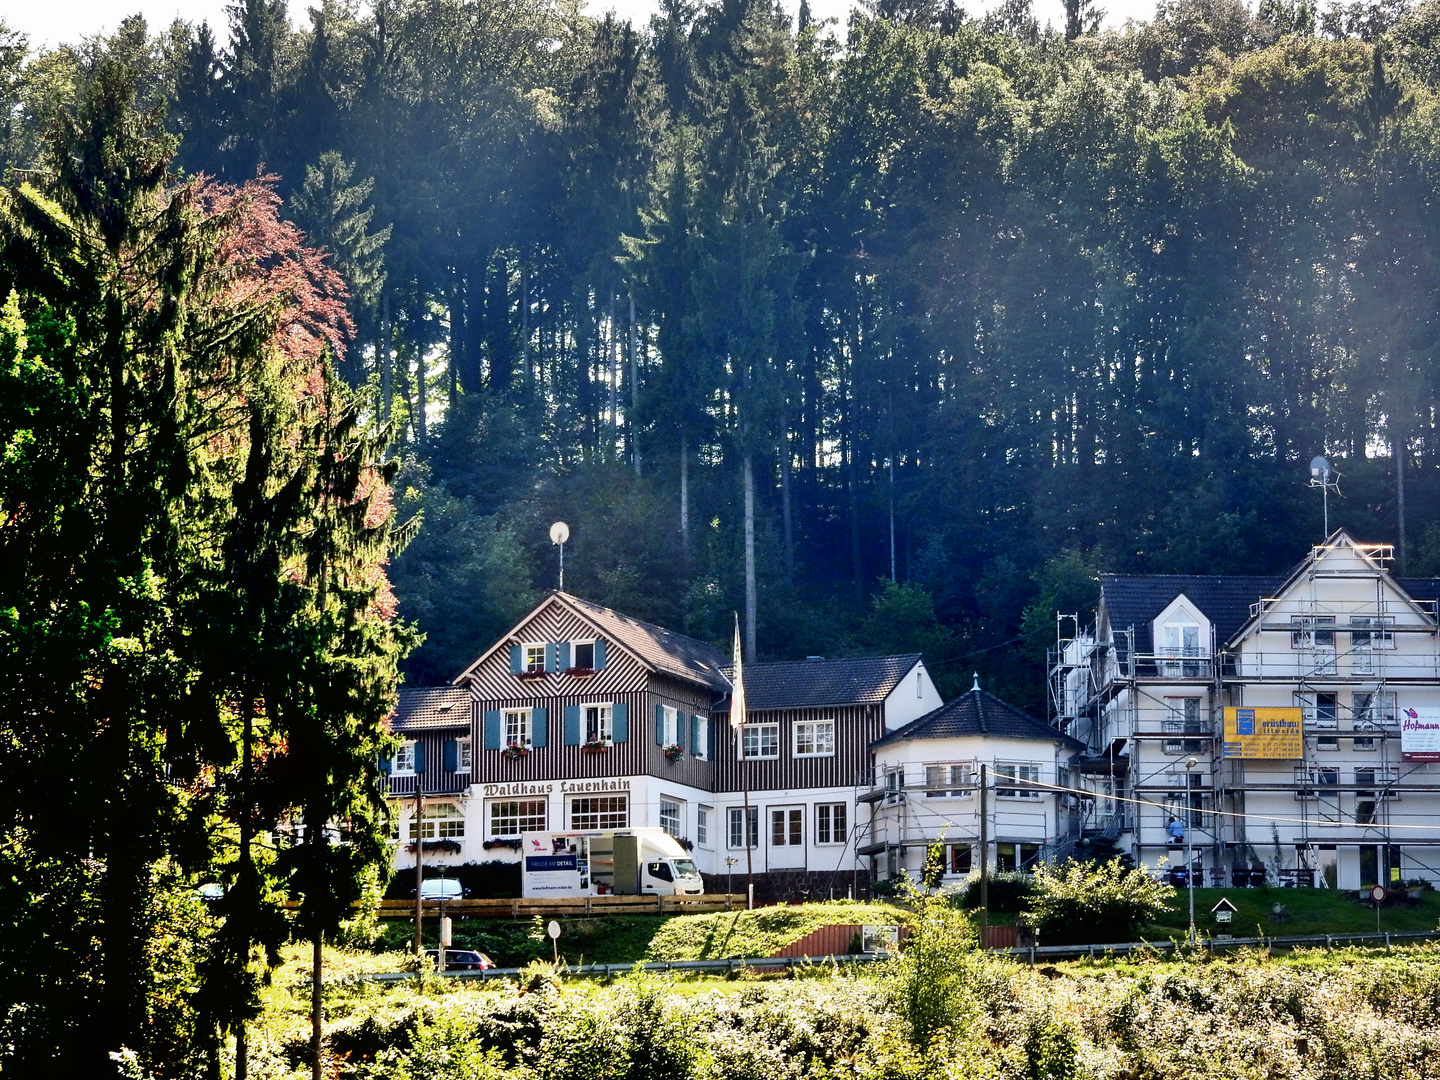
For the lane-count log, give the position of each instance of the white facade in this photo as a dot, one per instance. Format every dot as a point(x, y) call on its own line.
point(1342, 642)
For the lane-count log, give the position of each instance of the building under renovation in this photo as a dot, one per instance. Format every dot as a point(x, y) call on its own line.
point(1290, 725)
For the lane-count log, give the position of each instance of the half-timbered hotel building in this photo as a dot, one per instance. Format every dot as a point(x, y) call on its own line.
point(584, 718)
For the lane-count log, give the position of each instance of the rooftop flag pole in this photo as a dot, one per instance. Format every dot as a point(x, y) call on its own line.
point(737, 721)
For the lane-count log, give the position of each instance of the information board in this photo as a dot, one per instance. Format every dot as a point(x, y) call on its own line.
point(1419, 734)
point(1255, 733)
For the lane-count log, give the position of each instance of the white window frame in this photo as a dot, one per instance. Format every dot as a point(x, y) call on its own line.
point(702, 825)
point(598, 813)
point(813, 731)
point(763, 734)
point(522, 719)
point(575, 649)
point(734, 826)
point(676, 815)
point(403, 763)
point(837, 836)
point(704, 730)
point(527, 666)
point(669, 725)
point(464, 754)
point(1016, 771)
point(440, 821)
point(949, 779)
point(526, 818)
point(605, 722)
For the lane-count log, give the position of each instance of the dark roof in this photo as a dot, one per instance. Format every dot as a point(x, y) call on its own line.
point(805, 684)
point(662, 649)
point(1135, 600)
point(1421, 588)
point(432, 707)
point(978, 713)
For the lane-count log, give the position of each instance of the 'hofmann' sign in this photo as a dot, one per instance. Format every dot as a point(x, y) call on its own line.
point(1263, 733)
point(1419, 735)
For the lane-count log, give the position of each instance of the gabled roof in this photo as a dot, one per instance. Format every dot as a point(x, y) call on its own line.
point(654, 646)
point(1135, 600)
point(662, 649)
point(978, 713)
point(431, 707)
point(807, 684)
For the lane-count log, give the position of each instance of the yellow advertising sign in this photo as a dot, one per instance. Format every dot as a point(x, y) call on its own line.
point(1262, 733)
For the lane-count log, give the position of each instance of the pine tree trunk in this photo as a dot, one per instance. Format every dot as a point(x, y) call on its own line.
point(317, 1013)
point(684, 498)
point(1397, 447)
point(787, 521)
point(750, 597)
point(385, 389)
point(631, 421)
point(612, 449)
point(421, 402)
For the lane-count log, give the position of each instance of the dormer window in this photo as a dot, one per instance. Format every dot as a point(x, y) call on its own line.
point(1181, 649)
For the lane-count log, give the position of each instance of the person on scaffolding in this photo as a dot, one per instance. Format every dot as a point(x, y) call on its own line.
point(1176, 829)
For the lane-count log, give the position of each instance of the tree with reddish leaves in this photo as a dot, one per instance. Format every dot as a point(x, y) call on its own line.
point(198, 643)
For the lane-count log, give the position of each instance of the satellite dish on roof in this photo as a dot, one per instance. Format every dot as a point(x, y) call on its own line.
point(1323, 477)
point(1319, 470)
point(560, 532)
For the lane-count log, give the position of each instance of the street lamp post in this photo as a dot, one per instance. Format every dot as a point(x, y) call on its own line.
point(1190, 764)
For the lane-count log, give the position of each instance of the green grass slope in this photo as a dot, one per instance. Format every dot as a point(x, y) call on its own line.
point(1311, 911)
point(763, 932)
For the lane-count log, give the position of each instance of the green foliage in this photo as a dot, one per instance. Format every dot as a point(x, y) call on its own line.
point(443, 1046)
point(1006, 890)
point(930, 972)
point(762, 932)
point(1084, 902)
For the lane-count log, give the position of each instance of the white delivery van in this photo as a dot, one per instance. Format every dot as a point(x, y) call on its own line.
point(628, 862)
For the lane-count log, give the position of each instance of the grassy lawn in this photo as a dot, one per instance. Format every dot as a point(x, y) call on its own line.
point(1311, 911)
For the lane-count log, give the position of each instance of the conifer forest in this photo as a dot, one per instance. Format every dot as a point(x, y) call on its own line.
point(887, 336)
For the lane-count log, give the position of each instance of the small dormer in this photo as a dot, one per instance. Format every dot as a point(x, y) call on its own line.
point(1181, 636)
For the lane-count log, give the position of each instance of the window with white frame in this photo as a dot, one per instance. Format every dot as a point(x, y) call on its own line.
point(404, 763)
point(761, 741)
point(1373, 709)
point(948, 780)
point(670, 816)
point(511, 817)
point(831, 823)
point(1373, 632)
point(702, 826)
point(1182, 649)
point(894, 782)
point(669, 725)
point(1182, 717)
point(815, 738)
point(517, 727)
point(462, 755)
point(600, 812)
point(702, 738)
point(738, 831)
point(1024, 772)
point(582, 655)
point(442, 821)
point(597, 723)
point(533, 656)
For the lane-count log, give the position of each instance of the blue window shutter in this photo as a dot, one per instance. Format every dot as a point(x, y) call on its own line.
point(385, 765)
point(659, 725)
point(419, 757)
point(452, 755)
point(492, 729)
point(552, 656)
point(539, 721)
point(516, 658)
point(619, 722)
point(564, 649)
point(599, 653)
point(695, 735)
point(572, 725)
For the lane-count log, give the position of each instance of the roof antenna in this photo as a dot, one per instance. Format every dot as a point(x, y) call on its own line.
point(1321, 476)
point(977, 682)
point(559, 533)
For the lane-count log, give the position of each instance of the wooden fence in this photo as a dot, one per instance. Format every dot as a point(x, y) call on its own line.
point(567, 905)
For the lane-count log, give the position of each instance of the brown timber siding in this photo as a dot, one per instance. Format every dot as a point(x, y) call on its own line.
point(856, 726)
point(436, 779)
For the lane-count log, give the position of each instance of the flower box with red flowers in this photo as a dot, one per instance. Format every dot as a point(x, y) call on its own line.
point(674, 752)
point(595, 746)
point(580, 672)
point(531, 673)
point(515, 751)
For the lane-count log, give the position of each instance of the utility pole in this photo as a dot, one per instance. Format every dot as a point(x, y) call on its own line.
point(984, 858)
point(419, 871)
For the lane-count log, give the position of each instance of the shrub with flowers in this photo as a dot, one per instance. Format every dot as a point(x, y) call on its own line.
point(674, 752)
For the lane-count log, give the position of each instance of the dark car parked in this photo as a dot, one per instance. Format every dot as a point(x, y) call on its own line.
point(462, 959)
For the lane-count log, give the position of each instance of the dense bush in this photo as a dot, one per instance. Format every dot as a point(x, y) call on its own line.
point(1085, 902)
point(1006, 891)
